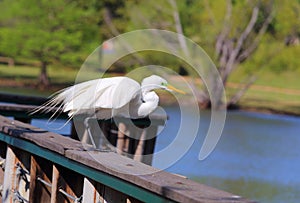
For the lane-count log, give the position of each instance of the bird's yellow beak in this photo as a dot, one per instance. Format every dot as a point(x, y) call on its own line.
point(170, 87)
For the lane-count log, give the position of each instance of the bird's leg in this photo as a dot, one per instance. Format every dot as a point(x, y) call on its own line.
point(88, 131)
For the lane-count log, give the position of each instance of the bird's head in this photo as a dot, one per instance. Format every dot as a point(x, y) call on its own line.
point(157, 82)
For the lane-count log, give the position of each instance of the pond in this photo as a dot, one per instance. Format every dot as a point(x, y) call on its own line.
point(258, 155)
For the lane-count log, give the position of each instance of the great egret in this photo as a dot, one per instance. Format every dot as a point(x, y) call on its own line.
point(109, 97)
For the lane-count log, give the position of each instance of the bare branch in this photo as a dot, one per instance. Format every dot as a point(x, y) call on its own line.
point(179, 30)
point(246, 32)
point(108, 21)
point(233, 56)
point(225, 29)
point(200, 95)
point(242, 91)
point(246, 53)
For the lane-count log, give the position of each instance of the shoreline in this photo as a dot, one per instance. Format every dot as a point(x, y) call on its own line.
point(263, 110)
point(267, 111)
point(165, 99)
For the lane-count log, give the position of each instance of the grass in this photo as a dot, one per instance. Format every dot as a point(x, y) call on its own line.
point(23, 79)
point(289, 79)
point(271, 91)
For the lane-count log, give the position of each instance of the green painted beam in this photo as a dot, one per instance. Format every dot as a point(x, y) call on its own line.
point(105, 179)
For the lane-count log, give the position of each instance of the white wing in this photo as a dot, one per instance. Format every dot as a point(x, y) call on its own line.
point(108, 93)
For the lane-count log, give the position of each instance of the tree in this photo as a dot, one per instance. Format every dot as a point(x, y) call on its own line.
point(47, 31)
point(230, 31)
point(233, 49)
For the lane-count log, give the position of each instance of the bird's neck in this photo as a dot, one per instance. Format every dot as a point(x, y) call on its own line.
point(150, 102)
point(148, 88)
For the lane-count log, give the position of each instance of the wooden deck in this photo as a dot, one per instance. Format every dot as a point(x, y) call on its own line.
point(55, 164)
point(41, 166)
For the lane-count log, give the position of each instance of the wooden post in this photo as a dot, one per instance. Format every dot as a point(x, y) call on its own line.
point(66, 185)
point(9, 183)
point(138, 155)
point(145, 148)
point(56, 197)
point(16, 177)
point(121, 138)
point(73, 133)
point(149, 145)
point(2, 165)
point(135, 135)
point(90, 192)
point(113, 134)
point(110, 195)
point(104, 135)
point(39, 192)
point(94, 192)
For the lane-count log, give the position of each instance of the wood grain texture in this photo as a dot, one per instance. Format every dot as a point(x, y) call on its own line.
point(164, 184)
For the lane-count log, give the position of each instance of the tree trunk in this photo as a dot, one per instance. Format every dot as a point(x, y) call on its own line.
point(218, 100)
point(43, 80)
point(231, 52)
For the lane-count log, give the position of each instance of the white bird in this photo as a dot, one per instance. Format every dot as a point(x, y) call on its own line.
point(109, 97)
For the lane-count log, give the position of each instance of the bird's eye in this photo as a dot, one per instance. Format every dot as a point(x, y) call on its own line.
point(164, 84)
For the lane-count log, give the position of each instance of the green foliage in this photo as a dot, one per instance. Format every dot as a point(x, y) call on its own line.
point(287, 18)
point(202, 21)
point(114, 11)
point(286, 60)
point(48, 31)
point(11, 42)
point(65, 31)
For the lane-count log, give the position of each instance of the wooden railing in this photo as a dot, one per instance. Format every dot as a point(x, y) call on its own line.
point(135, 143)
point(41, 166)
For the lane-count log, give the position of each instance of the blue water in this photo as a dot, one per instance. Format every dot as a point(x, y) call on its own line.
point(256, 151)
point(57, 126)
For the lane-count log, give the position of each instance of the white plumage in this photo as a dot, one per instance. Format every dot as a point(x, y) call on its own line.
point(108, 97)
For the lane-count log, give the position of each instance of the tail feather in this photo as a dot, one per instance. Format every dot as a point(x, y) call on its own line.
point(55, 105)
point(51, 104)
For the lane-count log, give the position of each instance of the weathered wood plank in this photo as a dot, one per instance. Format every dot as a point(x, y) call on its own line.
point(43, 138)
point(160, 182)
point(157, 182)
